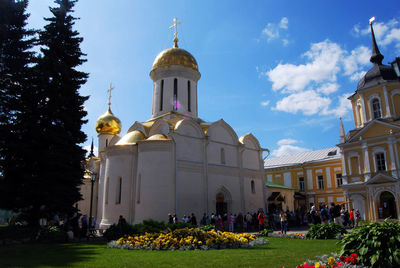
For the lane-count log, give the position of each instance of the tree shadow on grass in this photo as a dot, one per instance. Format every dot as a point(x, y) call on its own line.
point(35, 255)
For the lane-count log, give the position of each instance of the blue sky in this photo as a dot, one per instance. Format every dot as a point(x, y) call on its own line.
point(278, 69)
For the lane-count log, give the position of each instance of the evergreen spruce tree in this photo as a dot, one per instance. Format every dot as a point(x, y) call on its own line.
point(61, 114)
point(15, 77)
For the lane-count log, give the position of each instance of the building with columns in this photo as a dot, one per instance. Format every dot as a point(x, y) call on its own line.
point(175, 162)
point(370, 152)
point(366, 162)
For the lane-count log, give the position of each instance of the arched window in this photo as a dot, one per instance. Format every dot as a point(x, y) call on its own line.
point(222, 156)
point(119, 191)
point(253, 187)
point(107, 187)
point(162, 95)
point(376, 108)
point(175, 94)
point(189, 95)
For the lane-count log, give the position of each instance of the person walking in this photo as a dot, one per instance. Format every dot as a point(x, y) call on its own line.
point(231, 220)
point(351, 214)
point(283, 219)
point(261, 220)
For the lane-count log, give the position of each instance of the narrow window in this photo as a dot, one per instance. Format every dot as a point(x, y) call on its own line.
point(138, 187)
point(162, 95)
point(376, 108)
point(321, 182)
point(106, 142)
point(354, 165)
point(175, 94)
point(380, 161)
point(222, 156)
point(339, 179)
point(253, 188)
point(119, 191)
point(301, 184)
point(107, 187)
point(189, 96)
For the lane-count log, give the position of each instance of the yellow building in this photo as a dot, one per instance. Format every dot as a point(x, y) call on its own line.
point(315, 178)
point(370, 152)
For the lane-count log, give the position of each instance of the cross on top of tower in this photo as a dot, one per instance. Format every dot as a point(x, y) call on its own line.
point(176, 22)
point(109, 97)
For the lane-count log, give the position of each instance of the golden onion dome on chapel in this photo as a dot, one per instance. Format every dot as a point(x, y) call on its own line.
point(108, 123)
point(131, 138)
point(175, 56)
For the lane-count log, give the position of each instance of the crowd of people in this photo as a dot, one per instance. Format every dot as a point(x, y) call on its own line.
point(240, 222)
point(334, 213)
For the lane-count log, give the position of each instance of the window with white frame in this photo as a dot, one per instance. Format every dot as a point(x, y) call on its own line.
point(339, 179)
point(376, 108)
point(302, 186)
point(380, 161)
point(320, 182)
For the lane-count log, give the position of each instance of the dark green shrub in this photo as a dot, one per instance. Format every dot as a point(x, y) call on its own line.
point(325, 231)
point(377, 244)
point(152, 226)
point(179, 225)
point(16, 232)
point(265, 232)
point(50, 234)
point(208, 227)
point(116, 231)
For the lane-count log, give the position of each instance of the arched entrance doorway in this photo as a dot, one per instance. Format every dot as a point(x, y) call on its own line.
point(387, 206)
point(221, 204)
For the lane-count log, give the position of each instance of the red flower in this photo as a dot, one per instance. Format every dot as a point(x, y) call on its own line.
point(354, 255)
point(342, 258)
point(349, 259)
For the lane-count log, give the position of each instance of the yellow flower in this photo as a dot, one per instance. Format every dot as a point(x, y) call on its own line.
point(331, 260)
point(317, 265)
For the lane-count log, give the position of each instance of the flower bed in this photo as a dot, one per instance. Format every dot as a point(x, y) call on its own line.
point(287, 235)
point(187, 239)
point(333, 261)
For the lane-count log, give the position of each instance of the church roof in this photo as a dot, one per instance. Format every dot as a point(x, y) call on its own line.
point(379, 73)
point(300, 158)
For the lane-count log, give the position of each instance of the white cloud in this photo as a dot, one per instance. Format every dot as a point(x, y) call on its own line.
point(284, 24)
point(357, 76)
point(309, 102)
point(287, 141)
point(328, 88)
point(357, 58)
point(285, 42)
point(95, 149)
point(271, 31)
point(265, 103)
point(323, 65)
point(286, 147)
point(274, 31)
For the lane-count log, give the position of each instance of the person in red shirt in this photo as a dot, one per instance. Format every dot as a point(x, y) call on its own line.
point(351, 213)
point(261, 219)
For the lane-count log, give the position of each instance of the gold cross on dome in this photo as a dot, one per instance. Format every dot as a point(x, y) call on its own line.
point(176, 22)
point(109, 97)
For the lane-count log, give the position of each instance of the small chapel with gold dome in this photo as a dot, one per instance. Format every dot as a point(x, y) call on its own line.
point(175, 162)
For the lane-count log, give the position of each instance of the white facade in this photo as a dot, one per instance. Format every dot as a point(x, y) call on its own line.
point(177, 163)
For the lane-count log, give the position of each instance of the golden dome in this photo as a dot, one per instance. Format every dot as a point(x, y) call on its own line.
point(158, 137)
point(175, 56)
point(131, 138)
point(108, 123)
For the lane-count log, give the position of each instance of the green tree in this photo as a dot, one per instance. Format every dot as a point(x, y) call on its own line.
point(16, 60)
point(61, 113)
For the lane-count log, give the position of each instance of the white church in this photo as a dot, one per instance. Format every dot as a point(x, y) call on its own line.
point(175, 162)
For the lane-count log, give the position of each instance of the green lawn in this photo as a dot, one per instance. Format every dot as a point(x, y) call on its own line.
point(279, 252)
